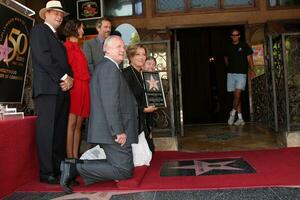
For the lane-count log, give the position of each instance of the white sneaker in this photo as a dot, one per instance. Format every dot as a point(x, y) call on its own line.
point(239, 122)
point(231, 119)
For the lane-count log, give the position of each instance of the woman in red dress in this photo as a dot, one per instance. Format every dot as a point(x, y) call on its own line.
point(80, 93)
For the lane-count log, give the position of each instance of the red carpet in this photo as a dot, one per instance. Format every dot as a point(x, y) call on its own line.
point(278, 167)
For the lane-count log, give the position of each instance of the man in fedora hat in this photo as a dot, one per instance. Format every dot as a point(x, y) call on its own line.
point(51, 83)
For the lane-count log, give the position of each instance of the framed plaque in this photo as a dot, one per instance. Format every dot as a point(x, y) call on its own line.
point(154, 89)
point(89, 9)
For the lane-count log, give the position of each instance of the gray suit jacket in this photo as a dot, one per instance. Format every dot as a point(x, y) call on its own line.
point(113, 107)
point(93, 50)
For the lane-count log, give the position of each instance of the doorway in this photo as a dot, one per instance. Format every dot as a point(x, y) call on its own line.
point(204, 77)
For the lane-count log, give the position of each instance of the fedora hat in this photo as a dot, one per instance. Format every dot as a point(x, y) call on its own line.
point(52, 5)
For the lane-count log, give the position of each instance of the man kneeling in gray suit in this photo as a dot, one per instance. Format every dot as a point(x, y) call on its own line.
point(113, 123)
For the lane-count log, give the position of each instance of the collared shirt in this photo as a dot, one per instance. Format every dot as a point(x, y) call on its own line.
point(51, 27)
point(54, 31)
point(100, 39)
point(113, 61)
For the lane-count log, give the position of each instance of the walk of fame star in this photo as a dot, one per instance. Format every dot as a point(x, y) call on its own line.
point(153, 84)
point(197, 167)
point(4, 51)
point(201, 167)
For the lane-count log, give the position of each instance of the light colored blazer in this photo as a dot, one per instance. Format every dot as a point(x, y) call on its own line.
point(93, 51)
point(114, 109)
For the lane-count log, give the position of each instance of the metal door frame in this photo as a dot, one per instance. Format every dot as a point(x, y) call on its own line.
point(288, 124)
point(179, 75)
point(170, 78)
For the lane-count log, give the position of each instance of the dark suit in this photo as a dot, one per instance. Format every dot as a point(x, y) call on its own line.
point(113, 111)
point(49, 62)
point(93, 51)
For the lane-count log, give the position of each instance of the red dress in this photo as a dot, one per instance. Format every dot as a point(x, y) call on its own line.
point(80, 92)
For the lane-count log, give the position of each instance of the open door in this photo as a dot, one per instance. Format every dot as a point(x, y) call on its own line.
point(203, 75)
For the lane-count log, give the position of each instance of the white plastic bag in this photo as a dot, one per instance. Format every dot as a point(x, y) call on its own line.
point(95, 153)
point(142, 155)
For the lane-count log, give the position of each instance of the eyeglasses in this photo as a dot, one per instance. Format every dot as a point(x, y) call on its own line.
point(235, 34)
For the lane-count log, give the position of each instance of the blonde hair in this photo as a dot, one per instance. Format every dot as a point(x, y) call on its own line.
point(132, 49)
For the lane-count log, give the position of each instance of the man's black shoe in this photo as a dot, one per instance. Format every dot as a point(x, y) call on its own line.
point(74, 182)
point(68, 174)
point(49, 179)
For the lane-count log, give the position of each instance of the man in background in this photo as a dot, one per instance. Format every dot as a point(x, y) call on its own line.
point(93, 49)
point(238, 59)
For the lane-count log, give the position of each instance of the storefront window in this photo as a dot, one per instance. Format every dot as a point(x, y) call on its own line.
point(117, 8)
point(164, 6)
point(170, 5)
point(277, 3)
point(204, 3)
point(228, 3)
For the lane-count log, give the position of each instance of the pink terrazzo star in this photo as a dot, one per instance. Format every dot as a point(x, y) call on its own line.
point(202, 167)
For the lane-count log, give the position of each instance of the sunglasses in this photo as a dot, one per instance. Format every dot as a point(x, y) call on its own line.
point(235, 34)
